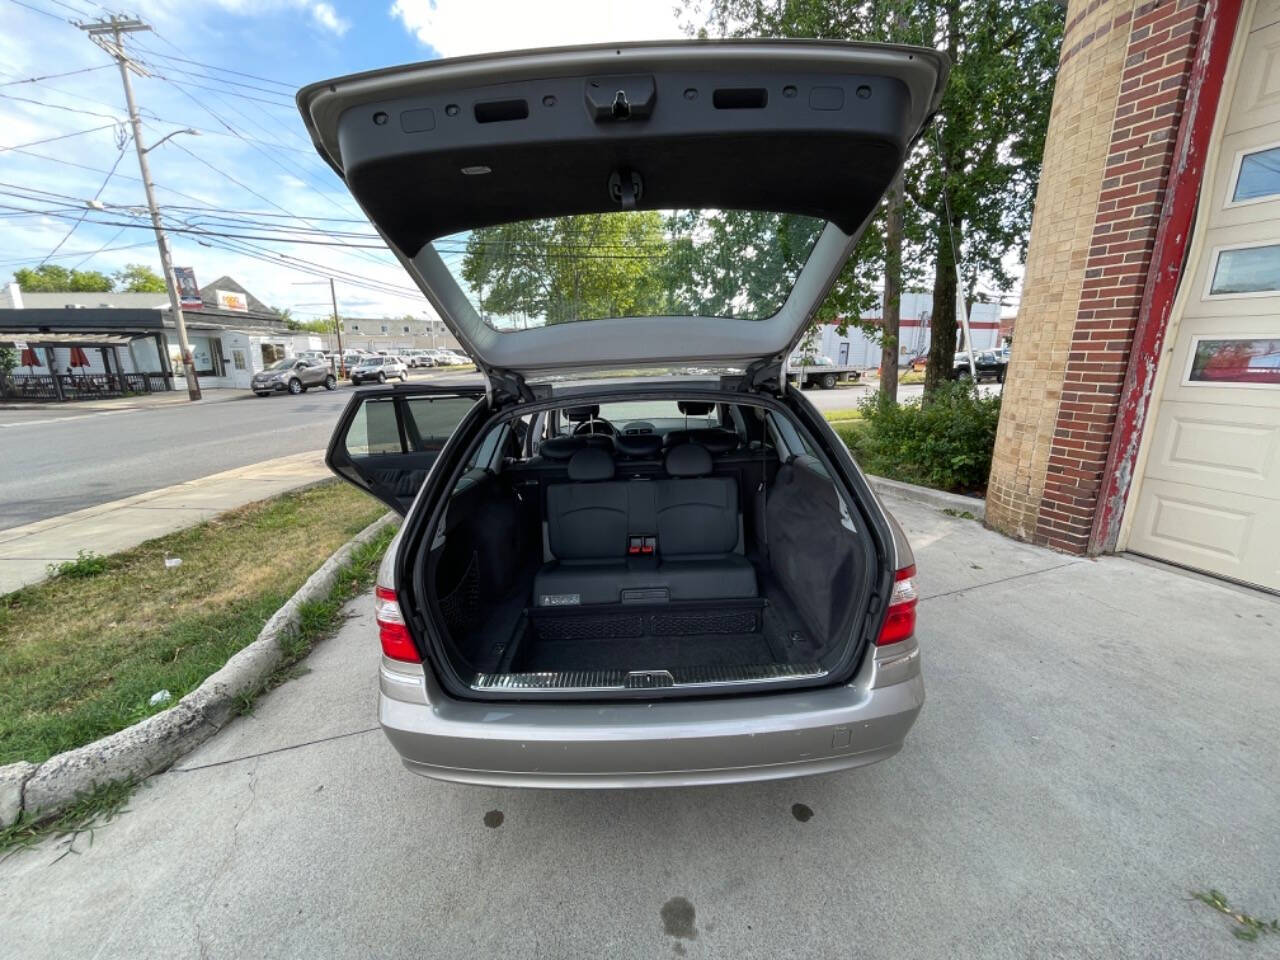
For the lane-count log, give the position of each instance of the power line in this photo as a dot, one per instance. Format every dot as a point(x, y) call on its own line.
point(55, 106)
point(212, 66)
point(123, 142)
point(64, 136)
point(55, 76)
point(38, 10)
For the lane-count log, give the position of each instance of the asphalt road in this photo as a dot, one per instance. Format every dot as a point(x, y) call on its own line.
point(1098, 742)
point(61, 458)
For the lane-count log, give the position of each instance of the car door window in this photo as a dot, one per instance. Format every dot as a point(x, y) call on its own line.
point(374, 431)
point(432, 420)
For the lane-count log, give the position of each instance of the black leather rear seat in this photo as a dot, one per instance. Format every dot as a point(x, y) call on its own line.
point(643, 541)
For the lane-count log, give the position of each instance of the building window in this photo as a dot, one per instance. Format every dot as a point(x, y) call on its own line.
point(271, 352)
point(1246, 361)
point(1241, 271)
point(1258, 176)
point(355, 328)
point(406, 328)
point(384, 328)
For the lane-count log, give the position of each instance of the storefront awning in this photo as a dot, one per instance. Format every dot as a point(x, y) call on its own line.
point(66, 339)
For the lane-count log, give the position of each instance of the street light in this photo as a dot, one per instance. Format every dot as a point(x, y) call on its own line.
point(190, 131)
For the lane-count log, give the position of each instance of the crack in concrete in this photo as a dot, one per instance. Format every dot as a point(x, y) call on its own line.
point(992, 583)
point(265, 753)
point(225, 862)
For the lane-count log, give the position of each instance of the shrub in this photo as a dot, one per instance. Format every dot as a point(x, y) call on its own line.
point(86, 564)
point(943, 442)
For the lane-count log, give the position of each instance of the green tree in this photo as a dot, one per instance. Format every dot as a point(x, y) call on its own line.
point(970, 184)
point(561, 269)
point(52, 278)
point(139, 278)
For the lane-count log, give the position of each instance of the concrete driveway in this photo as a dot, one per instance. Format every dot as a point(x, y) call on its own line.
point(1100, 739)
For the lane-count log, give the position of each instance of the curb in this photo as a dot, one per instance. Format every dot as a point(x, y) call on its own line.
point(151, 745)
point(930, 497)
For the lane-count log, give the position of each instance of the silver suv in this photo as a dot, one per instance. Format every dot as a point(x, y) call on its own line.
point(378, 369)
point(659, 578)
point(293, 375)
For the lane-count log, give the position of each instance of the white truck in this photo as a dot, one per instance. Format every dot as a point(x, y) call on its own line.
point(813, 370)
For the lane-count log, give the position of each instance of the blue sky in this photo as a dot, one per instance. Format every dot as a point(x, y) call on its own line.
point(252, 168)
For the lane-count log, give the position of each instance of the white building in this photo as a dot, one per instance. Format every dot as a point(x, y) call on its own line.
point(860, 349)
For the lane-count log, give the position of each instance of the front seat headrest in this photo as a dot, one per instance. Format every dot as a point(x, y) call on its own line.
point(559, 448)
point(688, 460)
point(590, 464)
point(638, 446)
point(694, 408)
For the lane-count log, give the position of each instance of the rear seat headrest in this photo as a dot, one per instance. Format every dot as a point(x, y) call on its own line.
point(590, 464)
point(638, 445)
point(688, 460)
point(562, 448)
point(717, 440)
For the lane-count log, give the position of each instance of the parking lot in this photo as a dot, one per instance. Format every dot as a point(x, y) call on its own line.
point(1098, 743)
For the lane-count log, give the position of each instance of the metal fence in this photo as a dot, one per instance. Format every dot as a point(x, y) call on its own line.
point(90, 386)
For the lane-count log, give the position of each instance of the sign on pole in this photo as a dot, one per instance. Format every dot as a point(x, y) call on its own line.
point(188, 292)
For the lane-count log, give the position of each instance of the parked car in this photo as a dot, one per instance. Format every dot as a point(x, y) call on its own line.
point(293, 375)
point(415, 358)
point(379, 369)
point(718, 596)
point(988, 365)
point(450, 358)
point(317, 355)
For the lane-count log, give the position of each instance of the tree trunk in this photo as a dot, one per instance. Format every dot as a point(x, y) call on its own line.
point(942, 323)
point(891, 315)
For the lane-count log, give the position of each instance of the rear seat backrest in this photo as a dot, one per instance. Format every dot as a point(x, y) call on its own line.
point(716, 440)
point(587, 517)
point(696, 514)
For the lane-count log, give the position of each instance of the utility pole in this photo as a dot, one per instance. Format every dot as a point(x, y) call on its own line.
point(337, 323)
point(109, 35)
point(337, 329)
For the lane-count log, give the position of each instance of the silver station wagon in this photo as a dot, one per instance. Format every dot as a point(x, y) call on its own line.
point(631, 555)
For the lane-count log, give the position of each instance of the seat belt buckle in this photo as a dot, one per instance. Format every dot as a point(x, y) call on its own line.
point(634, 546)
point(649, 545)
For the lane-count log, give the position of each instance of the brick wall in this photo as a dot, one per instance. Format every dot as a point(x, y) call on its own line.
point(1115, 116)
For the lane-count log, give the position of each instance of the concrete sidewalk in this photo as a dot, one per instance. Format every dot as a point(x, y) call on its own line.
point(1099, 741)
point(26, 551)
point(144, 401)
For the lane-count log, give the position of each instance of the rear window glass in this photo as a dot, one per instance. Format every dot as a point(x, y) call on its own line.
point(721, 263)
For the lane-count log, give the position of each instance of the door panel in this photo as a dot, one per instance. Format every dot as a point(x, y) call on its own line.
point(386, 441)
point(1209, 496)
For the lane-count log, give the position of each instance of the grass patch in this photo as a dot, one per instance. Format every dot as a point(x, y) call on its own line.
point(842, 415)
point(86, 564)
point(1244, 926)
point(80, 658)
point(910, 376)
point(961, 514)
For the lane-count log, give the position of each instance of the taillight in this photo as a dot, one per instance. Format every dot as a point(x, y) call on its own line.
point(396, 642)
point(901, 621)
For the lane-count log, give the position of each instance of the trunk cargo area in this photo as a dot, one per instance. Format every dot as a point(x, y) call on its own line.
point(627, 565)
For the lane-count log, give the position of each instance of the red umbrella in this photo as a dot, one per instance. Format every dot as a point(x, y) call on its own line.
point(29, 358)
point(78, 359)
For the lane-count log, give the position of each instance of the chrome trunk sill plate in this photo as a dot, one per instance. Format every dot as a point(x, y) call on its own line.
point(681, 678)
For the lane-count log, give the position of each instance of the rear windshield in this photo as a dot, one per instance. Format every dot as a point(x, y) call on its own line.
point(712, 263)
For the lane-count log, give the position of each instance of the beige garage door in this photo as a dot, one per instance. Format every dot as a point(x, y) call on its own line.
point(1210, 494)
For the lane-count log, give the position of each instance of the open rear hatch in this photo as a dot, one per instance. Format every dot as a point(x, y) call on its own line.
point(443, 155)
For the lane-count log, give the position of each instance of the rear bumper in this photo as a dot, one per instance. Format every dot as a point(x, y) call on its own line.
point(662, 743)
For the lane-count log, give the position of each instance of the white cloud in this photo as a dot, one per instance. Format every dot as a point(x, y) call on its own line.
point(459, 27)
point(327, 17)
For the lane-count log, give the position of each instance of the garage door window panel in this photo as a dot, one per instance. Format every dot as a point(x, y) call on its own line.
point(1257, 176)
point(1245, 271)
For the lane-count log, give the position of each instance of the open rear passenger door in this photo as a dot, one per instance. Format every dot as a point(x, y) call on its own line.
point(386, 441)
